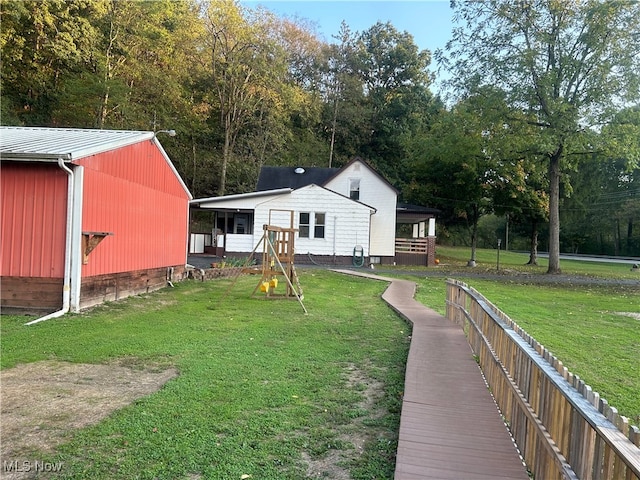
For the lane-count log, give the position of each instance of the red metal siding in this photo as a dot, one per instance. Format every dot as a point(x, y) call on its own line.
point(134, 194)
point(34, 201)
point(141, 164)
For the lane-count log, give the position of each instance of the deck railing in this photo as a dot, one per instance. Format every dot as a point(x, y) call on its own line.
point(412, 245)
point(563, 429)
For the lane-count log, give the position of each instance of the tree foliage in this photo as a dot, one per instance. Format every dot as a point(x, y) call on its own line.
point(546, 116)
point(571, 64)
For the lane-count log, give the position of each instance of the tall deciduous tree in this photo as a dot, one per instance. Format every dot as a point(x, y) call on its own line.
point(241, 54)
point(568, 62)
point(42, 41)
point(395, 80)
point(517, 178)
point(453, 166)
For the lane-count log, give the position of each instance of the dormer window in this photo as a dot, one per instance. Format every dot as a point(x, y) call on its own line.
point(354, 188)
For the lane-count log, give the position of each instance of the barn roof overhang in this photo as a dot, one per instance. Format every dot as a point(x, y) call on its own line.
point(50, 145)
point(42, 144)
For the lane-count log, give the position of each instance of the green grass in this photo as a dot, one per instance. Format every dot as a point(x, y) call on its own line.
point(260, 382)
point(455, 259)
point(578, 321)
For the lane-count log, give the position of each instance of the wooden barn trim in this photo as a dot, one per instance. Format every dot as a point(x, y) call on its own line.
point(116, 286)
point(30, 294)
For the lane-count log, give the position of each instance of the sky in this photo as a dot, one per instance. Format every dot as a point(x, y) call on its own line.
point(428, 21)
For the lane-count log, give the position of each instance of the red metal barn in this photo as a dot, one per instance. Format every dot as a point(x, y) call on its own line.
point(87, 216)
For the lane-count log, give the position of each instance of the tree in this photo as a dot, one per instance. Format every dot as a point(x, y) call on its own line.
point(284, 128)
point(517, 179)
point(40, 43)
point(519, 191)
point(452, 165)
point(600, 214)
point(569, 63)
point(395, 81)
point(243, 58)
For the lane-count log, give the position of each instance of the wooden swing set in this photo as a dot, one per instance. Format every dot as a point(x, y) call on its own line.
point(278, 250)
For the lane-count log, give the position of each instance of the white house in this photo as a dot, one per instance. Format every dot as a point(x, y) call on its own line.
point(342, 216)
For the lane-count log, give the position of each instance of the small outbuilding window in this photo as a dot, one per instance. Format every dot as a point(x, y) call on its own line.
point(308, 223)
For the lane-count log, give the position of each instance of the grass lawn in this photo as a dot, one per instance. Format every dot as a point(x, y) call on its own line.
point(266, 392)
point(263, 389)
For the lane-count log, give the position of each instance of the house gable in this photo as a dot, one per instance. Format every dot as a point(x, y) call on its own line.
point(359, 181)
point(342, 181)
point(358, 167)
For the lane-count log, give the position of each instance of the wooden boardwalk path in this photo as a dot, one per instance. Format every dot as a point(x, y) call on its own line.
point(450, 427)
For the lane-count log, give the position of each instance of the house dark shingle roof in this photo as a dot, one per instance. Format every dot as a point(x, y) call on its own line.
point(272, 178)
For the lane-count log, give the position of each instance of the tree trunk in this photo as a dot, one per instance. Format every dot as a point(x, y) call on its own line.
point(474, 236)
point(554, 212)
point(104, 104)
point(333, 130)
point(533, 248)
point(226, 152)
point(195, 167)
point(506, 233)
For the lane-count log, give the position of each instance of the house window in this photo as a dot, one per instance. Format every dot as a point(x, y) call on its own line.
point(241, 224)
point(318, 230)
point(303, 225)
point(311, 222)
point(354, 189)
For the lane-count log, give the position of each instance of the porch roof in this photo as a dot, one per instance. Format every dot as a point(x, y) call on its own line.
point(407, 213)
point(240, 201)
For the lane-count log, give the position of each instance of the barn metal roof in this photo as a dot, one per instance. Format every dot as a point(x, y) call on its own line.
point(50, 144)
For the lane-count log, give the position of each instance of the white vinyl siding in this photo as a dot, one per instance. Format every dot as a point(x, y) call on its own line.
point(346, 223)
point(377, 193)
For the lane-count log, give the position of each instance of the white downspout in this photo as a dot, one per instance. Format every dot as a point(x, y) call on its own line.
point(66, 288)
point(335, 227)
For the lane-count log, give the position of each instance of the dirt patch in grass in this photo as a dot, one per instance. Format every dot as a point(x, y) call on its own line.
point(42, 402)
point(629, 314)
point(334, 464)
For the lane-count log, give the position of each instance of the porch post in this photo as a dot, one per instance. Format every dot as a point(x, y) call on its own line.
point(431, 243)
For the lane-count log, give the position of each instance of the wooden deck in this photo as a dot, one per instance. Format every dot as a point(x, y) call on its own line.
point(450, 427)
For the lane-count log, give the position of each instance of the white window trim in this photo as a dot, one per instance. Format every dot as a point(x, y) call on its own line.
point(312, 225)
point(353, 180)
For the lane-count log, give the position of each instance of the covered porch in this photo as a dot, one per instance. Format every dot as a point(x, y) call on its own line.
point(416, 243)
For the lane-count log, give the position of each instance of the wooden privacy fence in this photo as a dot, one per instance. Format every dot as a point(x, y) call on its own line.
point(563, 429)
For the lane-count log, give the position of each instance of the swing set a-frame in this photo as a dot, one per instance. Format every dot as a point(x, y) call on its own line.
point(278, 250)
